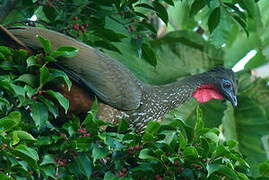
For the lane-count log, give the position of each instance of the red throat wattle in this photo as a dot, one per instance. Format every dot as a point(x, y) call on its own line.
point(206, 92)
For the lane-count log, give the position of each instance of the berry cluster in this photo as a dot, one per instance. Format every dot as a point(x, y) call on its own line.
point(79, 27)
point(61, 162)
point(122, 172)
point(83, 132)
point(132, 149)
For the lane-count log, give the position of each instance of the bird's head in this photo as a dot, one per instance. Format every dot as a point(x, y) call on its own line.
point(221, 83)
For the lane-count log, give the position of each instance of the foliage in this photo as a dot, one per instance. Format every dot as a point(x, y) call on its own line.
point(32, 148)
point(193, 36)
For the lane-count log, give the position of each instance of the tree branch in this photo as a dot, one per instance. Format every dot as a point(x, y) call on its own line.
point(6, 8)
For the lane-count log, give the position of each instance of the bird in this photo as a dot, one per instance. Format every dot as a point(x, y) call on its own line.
point(122, 94)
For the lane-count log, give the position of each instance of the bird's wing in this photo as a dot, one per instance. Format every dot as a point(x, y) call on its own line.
point(112, 82)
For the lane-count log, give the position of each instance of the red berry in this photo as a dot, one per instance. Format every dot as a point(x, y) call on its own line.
point(76, 27)
point(158, 177)
point(180, 169)
point(40, 92)
point(176, 163)
point(61, 162)
point(82, 130)
point(121, 174)
point(137, 147)
point(75, 18)
point(197, 166)
point(125, 170)
point(87, 135)
point(82, 28)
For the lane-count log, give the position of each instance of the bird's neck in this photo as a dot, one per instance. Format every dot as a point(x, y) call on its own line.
point(198, 86)
point(158, 100)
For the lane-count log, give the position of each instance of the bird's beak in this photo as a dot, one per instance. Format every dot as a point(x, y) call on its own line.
point(232, 98)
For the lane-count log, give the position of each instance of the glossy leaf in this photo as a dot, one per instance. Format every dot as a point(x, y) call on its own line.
point(196, 6)
point(39, 113)
point(221, 169)
point(214, 19)
point(60, 98)
point(46, 44)
point(9, 122)
point(23, 135)
point(98, 153)
point(149, 55)
point(84, 164)
point(264, 168)
point(44, 75)
point(161, 11)
point(65, 51)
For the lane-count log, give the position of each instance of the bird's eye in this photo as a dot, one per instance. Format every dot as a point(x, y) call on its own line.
point(226, 85)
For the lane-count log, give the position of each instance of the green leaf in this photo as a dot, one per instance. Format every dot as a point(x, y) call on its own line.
point(65, 51)
point(182, 141)
point(231, 143)
point(5, 50)
point(169, 137)
point(2, 56)
point(98, 153)
point(144, 5)
point(18, 90)
point(250, 6)
point(221, 169)
point(196, 6)
point(152, 127)
point(212, 136)
point(50, 12)
point(30, 92)
point(110, 176)
point(28, 154)
point(29, 79)
point(147, 154)
point(32, 61)
point(27, 151)
point(46, 44)
point(48, 159)
point(161, 11)
point(49, 59)
point(60, 98)
point(44, 75)
point(190, 153)
point(50, 171)
point(199, 125)
point(55, 73)
point(39, 113)
point(123, 125)
point(5, 177)
point(84, 164)
point(214, 19)
point(23, 135)
point(170, 2)
point(9, 122)
point(50, 106)
point(149, 54)
point(220, 151)
point(241, 22)
point(264, 168)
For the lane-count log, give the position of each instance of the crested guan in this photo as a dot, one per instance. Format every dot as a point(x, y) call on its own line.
point(116, 86)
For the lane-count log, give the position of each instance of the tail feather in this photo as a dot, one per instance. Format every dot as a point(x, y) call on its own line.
point(113, 83)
